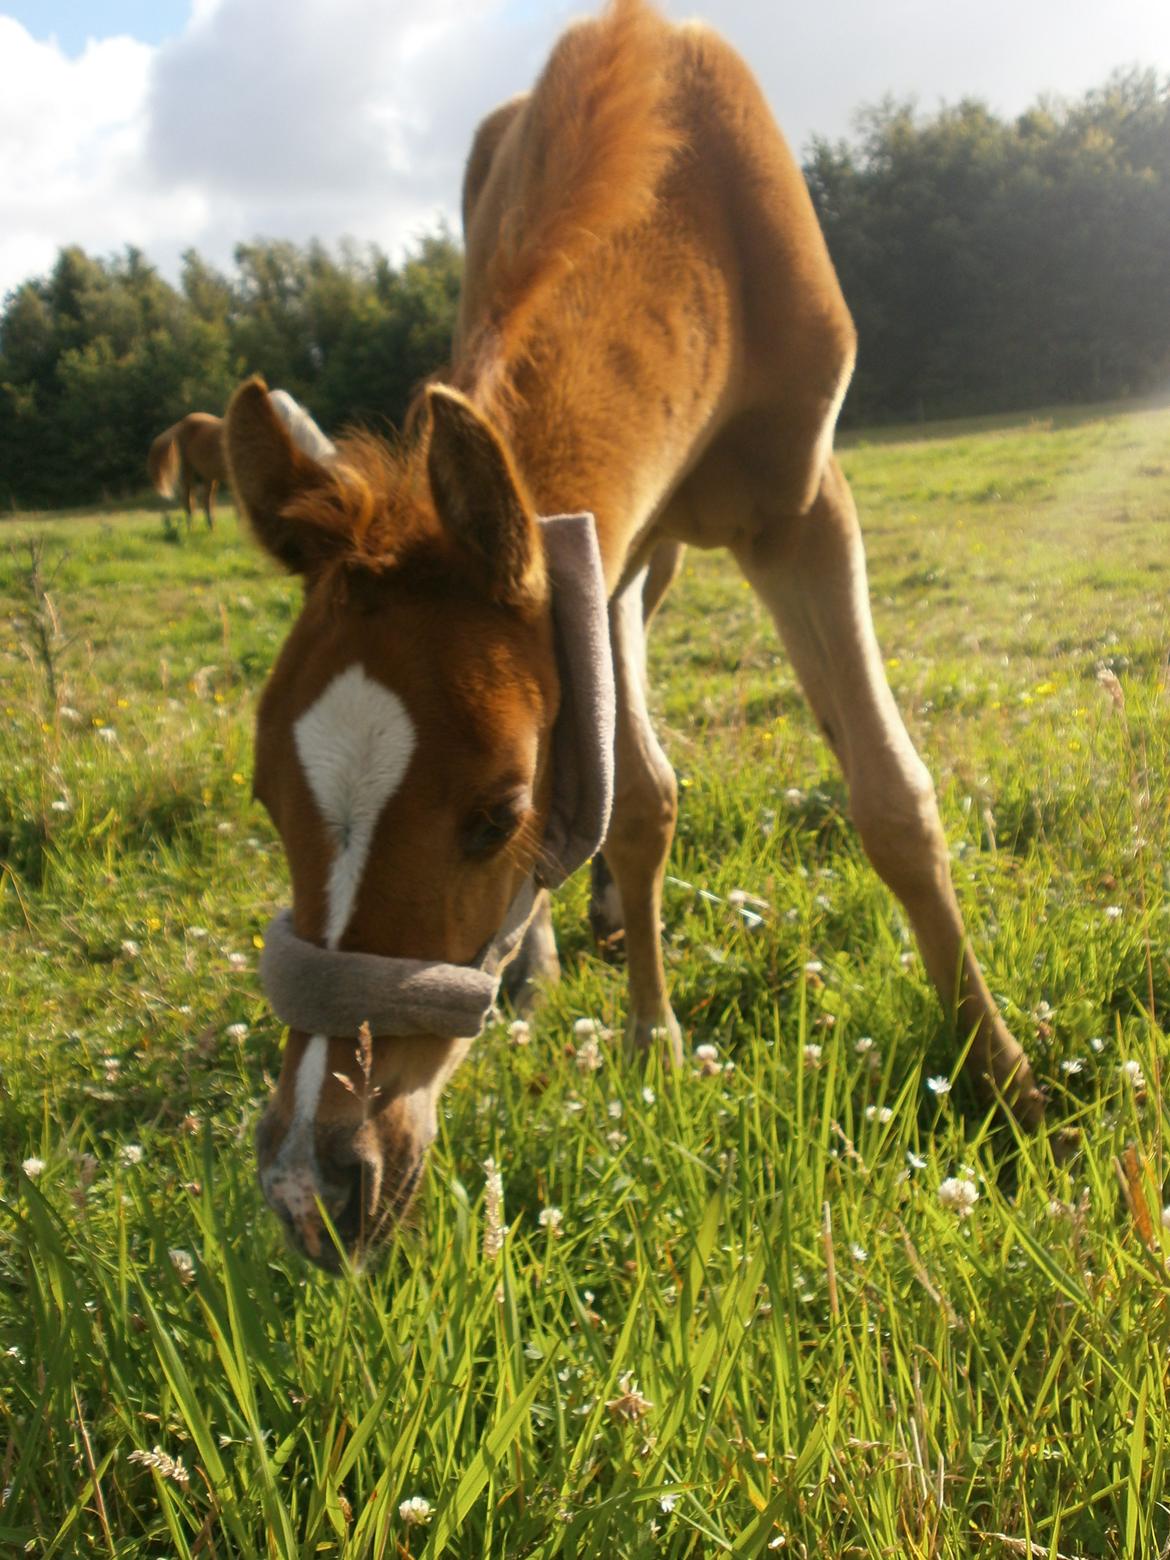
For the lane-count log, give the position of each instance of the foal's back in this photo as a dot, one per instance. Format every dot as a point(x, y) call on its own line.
point(641, 212)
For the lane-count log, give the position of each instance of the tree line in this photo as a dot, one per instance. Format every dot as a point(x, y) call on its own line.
point(990, 265)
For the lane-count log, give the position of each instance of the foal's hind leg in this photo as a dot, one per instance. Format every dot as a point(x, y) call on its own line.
point(606, 920)
point(535, 963)
point(209, 502)
point(810, 572)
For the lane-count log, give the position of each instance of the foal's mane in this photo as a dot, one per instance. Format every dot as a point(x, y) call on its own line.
point(581, 161)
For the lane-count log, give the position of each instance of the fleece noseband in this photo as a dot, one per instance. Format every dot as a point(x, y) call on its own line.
point(325, 991)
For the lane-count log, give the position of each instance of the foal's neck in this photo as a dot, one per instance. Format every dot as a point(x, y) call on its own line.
point(583, 447)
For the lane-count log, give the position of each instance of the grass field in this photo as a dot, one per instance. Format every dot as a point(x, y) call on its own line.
point(758, 1327)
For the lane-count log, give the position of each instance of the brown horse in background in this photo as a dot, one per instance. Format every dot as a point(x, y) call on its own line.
point(190, 452)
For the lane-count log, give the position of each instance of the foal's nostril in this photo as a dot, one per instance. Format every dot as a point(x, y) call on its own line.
point(347, 1203)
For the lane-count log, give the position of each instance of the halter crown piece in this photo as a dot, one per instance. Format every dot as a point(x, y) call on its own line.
point(325, 991)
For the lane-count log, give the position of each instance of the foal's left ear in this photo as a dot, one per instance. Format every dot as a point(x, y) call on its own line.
point(480, 499)
point(276, 455)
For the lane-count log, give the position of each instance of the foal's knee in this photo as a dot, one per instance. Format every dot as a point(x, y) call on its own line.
point(898, 821)
point(644, 816)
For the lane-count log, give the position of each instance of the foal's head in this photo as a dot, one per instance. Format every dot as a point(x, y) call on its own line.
point(401, 751)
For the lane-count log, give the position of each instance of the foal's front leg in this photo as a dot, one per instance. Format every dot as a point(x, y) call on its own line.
point(645, 806)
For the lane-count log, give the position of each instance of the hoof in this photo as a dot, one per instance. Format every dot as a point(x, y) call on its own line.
point(663, 1036)
point(606, 918)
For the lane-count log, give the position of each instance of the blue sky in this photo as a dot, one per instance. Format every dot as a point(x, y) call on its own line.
point(72, 22)
point(172, 124)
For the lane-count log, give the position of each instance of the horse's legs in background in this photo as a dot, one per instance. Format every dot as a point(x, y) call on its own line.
point(187, 478)
point(645, 804)
point(209, 502)
point(605, 902)
point(810, 573)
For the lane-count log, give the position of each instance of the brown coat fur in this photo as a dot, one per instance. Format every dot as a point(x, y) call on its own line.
point(650, 329)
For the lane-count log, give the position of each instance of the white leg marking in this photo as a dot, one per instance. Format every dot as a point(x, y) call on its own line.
point(354, 745)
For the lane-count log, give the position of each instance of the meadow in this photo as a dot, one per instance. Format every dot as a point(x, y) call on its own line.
point(732, 1313)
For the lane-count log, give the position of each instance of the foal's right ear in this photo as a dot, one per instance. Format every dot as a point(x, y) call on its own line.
point(275, 478)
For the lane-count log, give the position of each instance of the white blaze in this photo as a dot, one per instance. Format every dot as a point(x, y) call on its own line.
point(354, 745)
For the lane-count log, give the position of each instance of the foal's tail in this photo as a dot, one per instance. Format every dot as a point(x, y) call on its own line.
point(163, 461)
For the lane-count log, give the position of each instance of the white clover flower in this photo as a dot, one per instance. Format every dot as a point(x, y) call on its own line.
point(584, 1027)
point(706, 1053)
point(667, 1502)
point(61, 805)
point(960, 1196)
point(812, 1056)
point(415, 1512)
point(198, 932)
point(1131, 1071)
point(1072, 1065)
point(939, 1085)
point(588, 1054)
point(793, 796)
point(615, 1140)
point(1113, 912)
point(1166, 1218)
point(238, 961)
point(649, 1095)
point(865, 1046)
point(107, 733)
point(33, 1167)
point(881, 1113)
point(813, 967)
point(1096, 1045)
point(130, 1153)
point(130, 948)
point(614, 1110)
point(183, 1263)
point(915, 1161)
point(858, 1252)
point(236, 1031)
point(551, 1219)
point(518, 1032)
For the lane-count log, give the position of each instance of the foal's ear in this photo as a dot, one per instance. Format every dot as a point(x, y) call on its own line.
point(480, 499)
point(273, 474)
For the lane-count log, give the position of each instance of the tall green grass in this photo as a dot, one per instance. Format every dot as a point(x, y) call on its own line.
point(758, 1327)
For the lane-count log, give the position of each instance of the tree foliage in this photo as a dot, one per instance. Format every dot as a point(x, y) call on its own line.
point(990, 265)
point(101, 355)
point(994, 265)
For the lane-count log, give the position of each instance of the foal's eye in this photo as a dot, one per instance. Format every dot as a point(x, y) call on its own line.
point(488, 829)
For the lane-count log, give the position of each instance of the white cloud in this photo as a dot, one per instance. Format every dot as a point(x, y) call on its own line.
point(294, 118)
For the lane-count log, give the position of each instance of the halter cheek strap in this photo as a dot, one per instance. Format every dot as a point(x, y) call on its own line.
point(326, 991)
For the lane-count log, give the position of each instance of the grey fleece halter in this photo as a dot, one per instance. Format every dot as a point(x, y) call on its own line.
point(325, 991)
